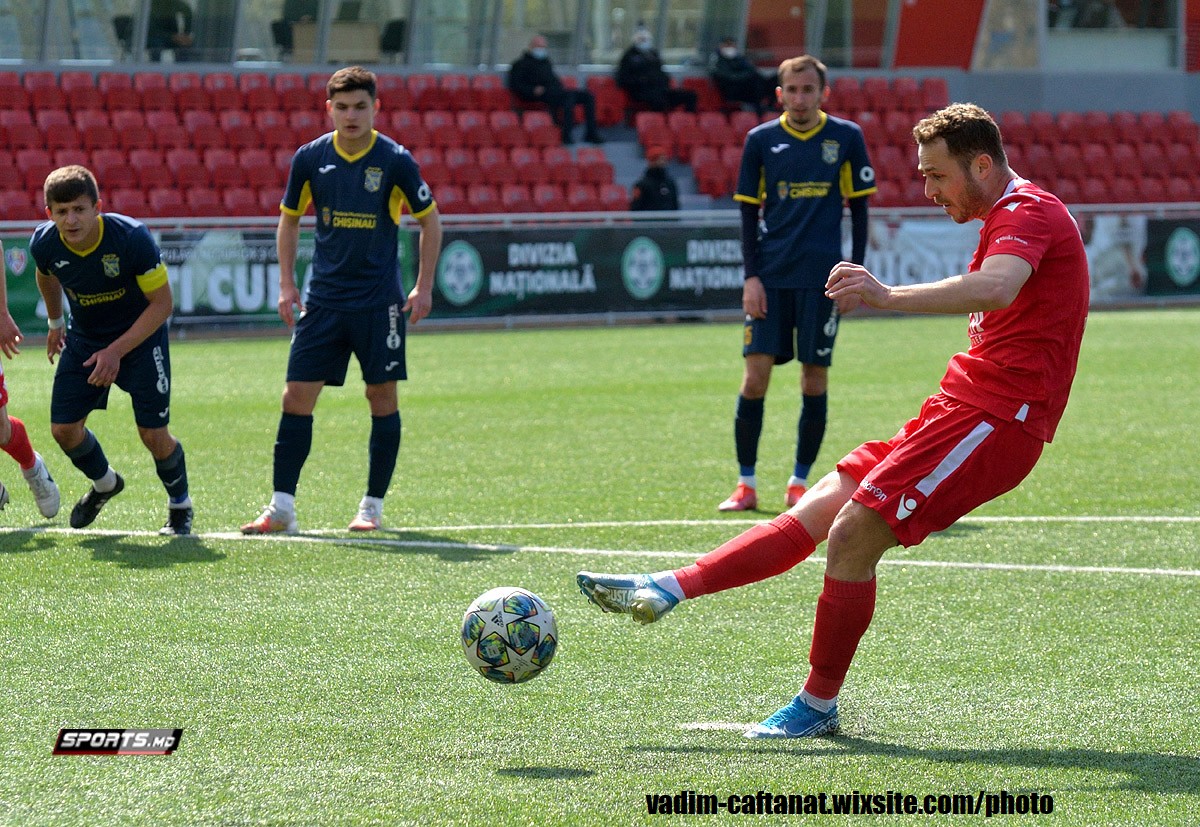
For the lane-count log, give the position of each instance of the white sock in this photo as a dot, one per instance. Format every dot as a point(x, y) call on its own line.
point(284, 503)
point(750, 481)
point(819, 704)
point(666, 581)
point(375, 501)
point(106, 483)
point(794, 480)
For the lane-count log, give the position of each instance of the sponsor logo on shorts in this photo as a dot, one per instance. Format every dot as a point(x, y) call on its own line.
point(874, 490)
point(163, 384)
point(905, 507)
point(393, 337)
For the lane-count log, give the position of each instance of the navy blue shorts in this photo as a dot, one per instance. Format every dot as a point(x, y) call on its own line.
point(145, 375)
point(324, 339)
point(807, 311)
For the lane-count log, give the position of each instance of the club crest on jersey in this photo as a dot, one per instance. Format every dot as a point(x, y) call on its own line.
point(372, 179)
point(781, 190)
point(326, 216)
point(829, 151)
point(111, 263)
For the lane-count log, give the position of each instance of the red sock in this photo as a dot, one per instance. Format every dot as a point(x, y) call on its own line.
point(18, 446)
point(763, 551)
point(844, 612)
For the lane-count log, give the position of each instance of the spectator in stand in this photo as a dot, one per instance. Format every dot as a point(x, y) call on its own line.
point(656, 189)
point(532, 79)
point(640, 73)
point(738, 80)
point(170, 30)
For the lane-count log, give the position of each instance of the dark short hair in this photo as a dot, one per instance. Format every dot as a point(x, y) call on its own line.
point(799, 64)
point(66, 184)
point(351, 79)
point(968, 131)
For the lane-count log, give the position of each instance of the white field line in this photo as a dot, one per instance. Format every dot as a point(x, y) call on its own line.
point(384, 541)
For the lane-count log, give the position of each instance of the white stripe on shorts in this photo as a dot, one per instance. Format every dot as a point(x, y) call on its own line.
point(957, 456)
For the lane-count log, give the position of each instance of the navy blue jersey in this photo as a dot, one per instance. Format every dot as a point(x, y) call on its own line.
point(105, 285)
point(358, 201)
point(801, 180)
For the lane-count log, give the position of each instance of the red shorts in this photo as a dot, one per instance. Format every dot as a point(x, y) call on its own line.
point(949, 460)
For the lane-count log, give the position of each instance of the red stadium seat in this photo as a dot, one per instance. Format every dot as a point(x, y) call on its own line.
point(223, 169)
point(451, 199)
point(203, 201)
point(222, 88)
point(439, 123)
point(149, 167)
point(473, 126)
point(1153, 127)
point(240, 201)
point(460, 160)
point(1124, 191)
point(515, 198)
point(268, 200)
point(70, 156)
point(540, 129)
point(611, 100)
point(583, 198)
point(1182, 127)
point(258, 169)
point(483, 198)
point(307, 125)
point(126, 200)
point(1125, 126)
point(935, 93)
point(878, 93)
point(547, 198)
point(1097, 160)
point(529, 165)
point(708, 99)
point(166, 202)
point(34, 164)
point(594, 166)
point(1181, 189)
point(47, 97)
point(613, 197)
point(907, 94)
point(133, 131)
point(560, 165)
point(717, 130)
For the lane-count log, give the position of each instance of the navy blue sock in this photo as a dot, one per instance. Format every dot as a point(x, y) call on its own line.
point(292, 445)
point(383, 447)
point(89, 457)
point(173, 473)
point(747, 428)
point(810, 432)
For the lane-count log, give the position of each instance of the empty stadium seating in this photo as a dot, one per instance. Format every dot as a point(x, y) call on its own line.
point(232, 135)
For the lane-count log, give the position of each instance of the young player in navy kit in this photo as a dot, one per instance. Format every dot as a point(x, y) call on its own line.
point(359, 181)
point(116, 283)
point(796, 174)
point(978, 436)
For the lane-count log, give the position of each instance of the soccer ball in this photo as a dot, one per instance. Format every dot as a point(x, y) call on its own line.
point(509, 634)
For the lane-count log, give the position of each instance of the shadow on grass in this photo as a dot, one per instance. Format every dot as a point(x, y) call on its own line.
point(545, 773)
point(143, 553)
point(398, 541)
point(1147, 772)
point(25, 540)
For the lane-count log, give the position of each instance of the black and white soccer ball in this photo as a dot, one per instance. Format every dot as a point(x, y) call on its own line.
point(509, 634)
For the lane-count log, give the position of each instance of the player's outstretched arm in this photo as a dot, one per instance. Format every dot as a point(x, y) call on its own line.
point(995, 285)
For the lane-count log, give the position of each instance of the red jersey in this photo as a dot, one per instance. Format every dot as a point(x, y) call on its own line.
point(1022, 358)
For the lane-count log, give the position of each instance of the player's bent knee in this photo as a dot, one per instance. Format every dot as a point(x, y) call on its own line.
point(858, 539)
point(68, 435)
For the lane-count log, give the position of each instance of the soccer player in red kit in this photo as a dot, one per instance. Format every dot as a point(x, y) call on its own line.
point(1026, 293)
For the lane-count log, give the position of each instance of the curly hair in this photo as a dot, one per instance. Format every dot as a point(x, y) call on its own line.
point(968, 131)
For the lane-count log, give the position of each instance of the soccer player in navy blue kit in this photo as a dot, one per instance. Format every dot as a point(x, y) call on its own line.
point(359, 181)
point(797, 173)
point(112, 273)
